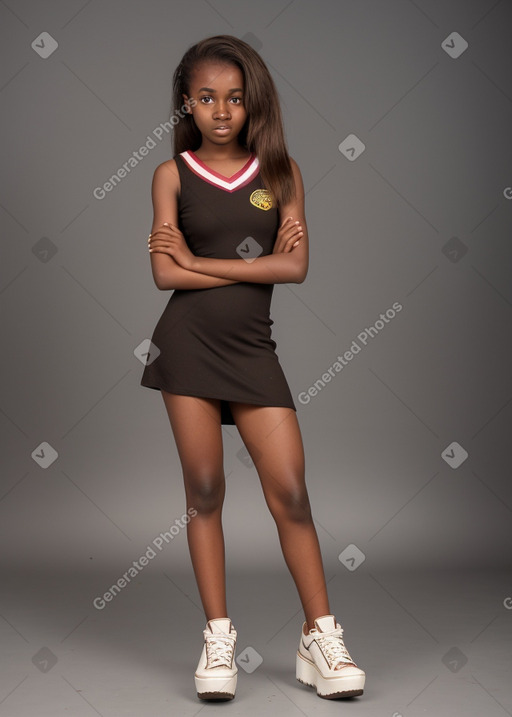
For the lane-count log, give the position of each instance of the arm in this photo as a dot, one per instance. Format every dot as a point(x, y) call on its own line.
point(167, 273)
point(277, 268)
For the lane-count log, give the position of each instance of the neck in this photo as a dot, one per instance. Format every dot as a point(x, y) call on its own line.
point(209, 150)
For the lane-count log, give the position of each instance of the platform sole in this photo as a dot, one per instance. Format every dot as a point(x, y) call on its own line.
point(215, 688)
point(329, 688)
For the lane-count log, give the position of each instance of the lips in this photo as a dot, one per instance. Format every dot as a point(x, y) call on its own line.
point(222, 126)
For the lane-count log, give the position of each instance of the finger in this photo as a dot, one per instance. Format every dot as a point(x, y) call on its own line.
point(158, 236)
point(173, 233)
point(292, 244)
point(160, 246)
point(280, 244)
point(164, 228)
point(289, 233)
point(291, 241)
point(159, 250)
point(161, 237)
point(294, 224)
point(293, 233)
point(167, 247)
point(165, 231)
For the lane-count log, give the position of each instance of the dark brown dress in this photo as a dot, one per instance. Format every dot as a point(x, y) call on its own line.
point(216, 343)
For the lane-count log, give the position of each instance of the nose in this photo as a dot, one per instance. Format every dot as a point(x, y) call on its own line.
point(221, 111)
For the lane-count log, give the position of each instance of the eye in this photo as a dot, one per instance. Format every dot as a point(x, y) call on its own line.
point(237, 99)
point(206, 97)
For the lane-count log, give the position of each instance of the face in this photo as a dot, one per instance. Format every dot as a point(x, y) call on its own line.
point(219, 102)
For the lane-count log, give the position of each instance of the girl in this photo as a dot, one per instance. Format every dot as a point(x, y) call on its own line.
point(229, 224)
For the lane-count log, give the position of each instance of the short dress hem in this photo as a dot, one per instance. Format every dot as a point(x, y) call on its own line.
point(226, 415)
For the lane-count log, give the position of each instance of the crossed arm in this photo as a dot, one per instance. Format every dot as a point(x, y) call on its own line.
point(175, 267)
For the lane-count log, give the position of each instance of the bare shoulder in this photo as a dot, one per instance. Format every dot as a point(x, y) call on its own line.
point(295, 167)
point(165, 192)
point(167, 173)
point(297, 176)
point(299, 184)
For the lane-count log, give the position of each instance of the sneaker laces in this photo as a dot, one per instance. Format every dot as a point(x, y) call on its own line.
point(333, 647)
point(219, 650)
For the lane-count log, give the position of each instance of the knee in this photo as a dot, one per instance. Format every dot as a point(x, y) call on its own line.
point(292, 506)
point(205, 494)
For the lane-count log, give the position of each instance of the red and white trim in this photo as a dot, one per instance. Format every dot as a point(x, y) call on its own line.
point(230, 184)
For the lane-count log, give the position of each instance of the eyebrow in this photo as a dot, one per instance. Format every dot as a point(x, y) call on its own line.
point(210, 89)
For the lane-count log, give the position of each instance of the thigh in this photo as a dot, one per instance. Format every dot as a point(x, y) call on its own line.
point(273, 439)
point(197, 430)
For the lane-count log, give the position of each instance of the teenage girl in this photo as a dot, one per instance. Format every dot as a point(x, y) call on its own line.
point(229, 224)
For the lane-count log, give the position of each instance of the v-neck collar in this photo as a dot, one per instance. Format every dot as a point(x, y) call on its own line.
point(230, 184)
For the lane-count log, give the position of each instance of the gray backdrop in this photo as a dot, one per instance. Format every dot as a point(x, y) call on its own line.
point(399, 115)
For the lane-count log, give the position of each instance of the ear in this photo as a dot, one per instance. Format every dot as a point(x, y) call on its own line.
point(186, 104)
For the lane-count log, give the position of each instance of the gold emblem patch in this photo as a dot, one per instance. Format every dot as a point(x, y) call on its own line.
point(262, 198)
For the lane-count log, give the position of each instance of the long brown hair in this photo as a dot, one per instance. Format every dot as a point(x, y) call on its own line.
point(262, 132)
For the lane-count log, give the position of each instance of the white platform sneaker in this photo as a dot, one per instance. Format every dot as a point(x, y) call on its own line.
point(216, 673)
point(323, 661)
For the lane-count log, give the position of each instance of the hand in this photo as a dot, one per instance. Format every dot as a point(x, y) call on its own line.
point(168, 239)
point(289, 235)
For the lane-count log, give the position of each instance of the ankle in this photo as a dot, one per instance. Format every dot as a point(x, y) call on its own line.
point(310, 625)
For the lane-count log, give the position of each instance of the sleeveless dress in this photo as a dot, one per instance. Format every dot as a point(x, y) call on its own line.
point(216, 342)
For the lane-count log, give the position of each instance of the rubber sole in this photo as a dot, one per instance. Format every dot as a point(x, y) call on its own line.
point(215, 688)
point(215, 696)
point(330, 688)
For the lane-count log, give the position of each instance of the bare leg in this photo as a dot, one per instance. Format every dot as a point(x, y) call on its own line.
point(197, 431)
point(272, 437)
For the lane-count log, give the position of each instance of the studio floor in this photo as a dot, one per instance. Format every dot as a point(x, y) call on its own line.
point(432, 642)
